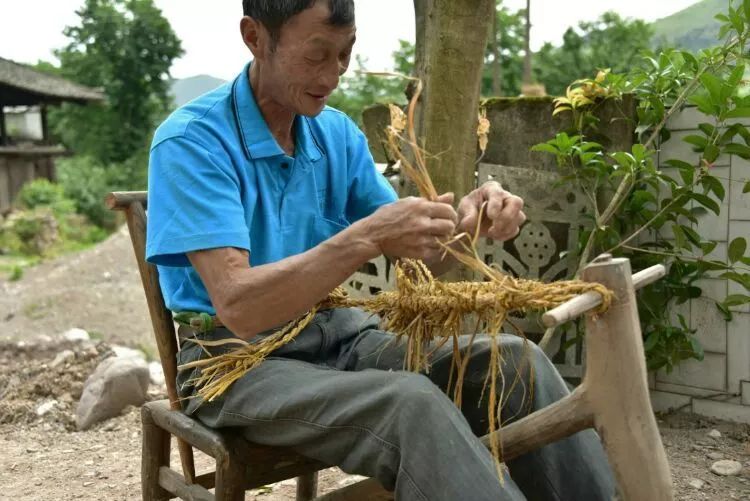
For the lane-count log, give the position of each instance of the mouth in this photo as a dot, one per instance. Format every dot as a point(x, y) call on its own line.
point(321, 98)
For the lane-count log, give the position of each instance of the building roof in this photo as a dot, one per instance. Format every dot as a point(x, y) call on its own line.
point(22, 85)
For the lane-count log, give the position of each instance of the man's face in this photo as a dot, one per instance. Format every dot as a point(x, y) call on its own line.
point(310, 56)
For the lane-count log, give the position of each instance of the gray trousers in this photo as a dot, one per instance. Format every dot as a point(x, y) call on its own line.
point(338, 394)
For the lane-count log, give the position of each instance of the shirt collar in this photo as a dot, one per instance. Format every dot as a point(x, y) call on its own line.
point(256, 136)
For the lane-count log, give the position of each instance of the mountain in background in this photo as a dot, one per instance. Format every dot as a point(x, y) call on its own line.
point(187, 89)
point(693, 28)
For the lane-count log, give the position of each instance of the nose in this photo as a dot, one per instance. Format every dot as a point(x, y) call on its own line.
point(329, 78)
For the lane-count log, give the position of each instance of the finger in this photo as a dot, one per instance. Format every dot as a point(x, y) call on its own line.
point(446, 198)
point(492, 189)
point(442, 227)
point(468, 211)
point(442, 211)
point(501, 230)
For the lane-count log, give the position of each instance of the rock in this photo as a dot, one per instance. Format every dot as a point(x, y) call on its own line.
point(76, 336)
point(157, 373)
point(726, 468)
point(62, 357)
point(46, 407)
point(716, 456)
point(714, 434)
point(696, 483)
point(696, 447)
point(116, 383)
point(124, 352)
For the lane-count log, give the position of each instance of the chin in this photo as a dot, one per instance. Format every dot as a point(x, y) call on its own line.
point(311, 111)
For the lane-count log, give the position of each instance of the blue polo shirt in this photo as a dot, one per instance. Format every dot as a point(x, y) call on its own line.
point(218, 178)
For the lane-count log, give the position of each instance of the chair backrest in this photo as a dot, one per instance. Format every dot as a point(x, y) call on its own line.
point(133, 204)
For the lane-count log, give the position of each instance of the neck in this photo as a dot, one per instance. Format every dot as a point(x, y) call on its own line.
point(280, 120)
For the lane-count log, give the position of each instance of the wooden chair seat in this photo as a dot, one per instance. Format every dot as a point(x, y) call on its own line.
point(256, 465)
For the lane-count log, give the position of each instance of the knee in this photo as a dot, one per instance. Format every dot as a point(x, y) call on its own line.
point(414, 394)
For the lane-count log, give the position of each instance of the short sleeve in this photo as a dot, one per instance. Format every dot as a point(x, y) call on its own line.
point(368, 189)
point(194, 203)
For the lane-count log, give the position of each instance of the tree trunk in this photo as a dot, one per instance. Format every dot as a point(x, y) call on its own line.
point(452, 38)
point(527, 77)
point(497, 65)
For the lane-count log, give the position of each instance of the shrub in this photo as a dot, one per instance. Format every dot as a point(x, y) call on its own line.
point(87, 183)
point(43, 193)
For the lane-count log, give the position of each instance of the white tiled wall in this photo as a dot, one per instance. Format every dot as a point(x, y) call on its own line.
point(726, 368)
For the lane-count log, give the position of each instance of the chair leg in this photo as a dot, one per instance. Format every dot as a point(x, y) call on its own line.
point(307, 487)
point(230, 480)
point(154, 455)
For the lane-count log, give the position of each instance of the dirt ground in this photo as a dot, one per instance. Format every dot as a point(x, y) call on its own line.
point(44, 457)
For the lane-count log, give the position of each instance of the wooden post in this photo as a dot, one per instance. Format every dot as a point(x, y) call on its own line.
point(528, 79)
point(154, 455)
point(616, 383)
point(230, 479)
point(3, 130)
point(45, 123)
point(307, 487)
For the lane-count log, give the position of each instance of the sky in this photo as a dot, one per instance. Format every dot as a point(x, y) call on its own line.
point(31, 29)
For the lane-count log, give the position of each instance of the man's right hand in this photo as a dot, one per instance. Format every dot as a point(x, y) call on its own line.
point(412, 227)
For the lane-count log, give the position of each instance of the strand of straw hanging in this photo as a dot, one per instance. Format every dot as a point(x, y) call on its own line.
point(420, 310)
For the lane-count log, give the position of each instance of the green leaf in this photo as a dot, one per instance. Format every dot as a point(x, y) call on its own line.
point(679, 237)
point(545, 148)
point(692, 235)
point(651, 341)
point(746, 189)
point(735, 78)
point(737, 249)
point(706, 202)
point(708, 247)
point(714, 87)
point(725, 311)
point(738, 149)
point(746, 8)
point(711, 153)
point(743, 112)
point(736, 300)
point(699, 141)
point(712, 184)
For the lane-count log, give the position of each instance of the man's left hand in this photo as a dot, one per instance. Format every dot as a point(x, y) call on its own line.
point(503, 215)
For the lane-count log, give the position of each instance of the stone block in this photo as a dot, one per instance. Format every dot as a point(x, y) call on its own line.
point(745, 392)
point(688, 118)
point(663, 401)
point(706, 318)
point(739, 229)
point(738, 351)
point(682, 389)
point(709, 374)
point(722, 410)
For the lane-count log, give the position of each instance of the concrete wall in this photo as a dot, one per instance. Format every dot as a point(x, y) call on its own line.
point(724, 374)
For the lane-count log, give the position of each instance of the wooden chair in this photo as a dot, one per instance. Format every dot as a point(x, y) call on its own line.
point(613, 398)
point(240, 465)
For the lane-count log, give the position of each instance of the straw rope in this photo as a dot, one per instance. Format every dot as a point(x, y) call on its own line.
point(421, 310)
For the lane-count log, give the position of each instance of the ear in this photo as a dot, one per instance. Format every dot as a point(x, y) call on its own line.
point(255, 36)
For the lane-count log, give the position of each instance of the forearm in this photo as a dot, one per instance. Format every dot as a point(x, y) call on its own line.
point(263, 297)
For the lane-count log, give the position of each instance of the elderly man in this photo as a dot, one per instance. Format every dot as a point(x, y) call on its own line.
point(261, 201)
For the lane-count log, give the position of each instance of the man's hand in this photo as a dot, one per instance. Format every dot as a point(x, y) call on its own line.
point(411, 227)
point(503, 215)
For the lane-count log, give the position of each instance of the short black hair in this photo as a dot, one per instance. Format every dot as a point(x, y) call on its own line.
point(274, 13)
